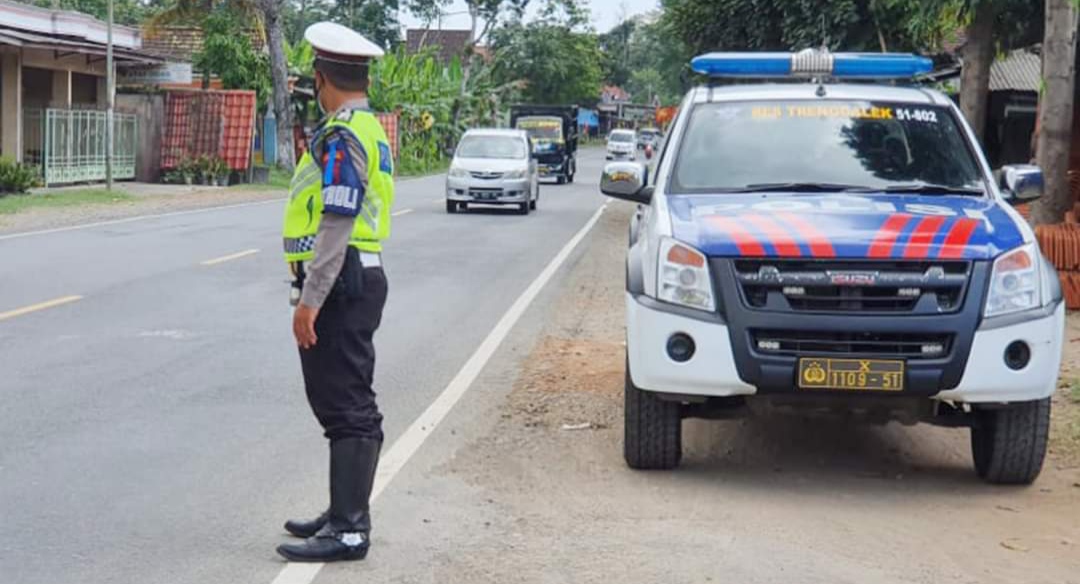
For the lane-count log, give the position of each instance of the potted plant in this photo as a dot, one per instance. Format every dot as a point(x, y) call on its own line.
point(187, 170)
point(204, 165)
point(221, 171)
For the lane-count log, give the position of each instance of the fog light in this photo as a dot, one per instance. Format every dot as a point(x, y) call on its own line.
point(1017, 355)
point(680, 347)
point(768, 345)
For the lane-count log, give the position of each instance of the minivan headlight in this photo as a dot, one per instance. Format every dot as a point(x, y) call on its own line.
point(458, 172)
point(520, 173)
point(683, 276)
point(1014, 282)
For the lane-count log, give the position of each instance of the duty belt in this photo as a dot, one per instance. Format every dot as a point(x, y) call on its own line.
point(367, 259)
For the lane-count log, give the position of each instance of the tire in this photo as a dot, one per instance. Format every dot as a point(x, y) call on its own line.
point(652, 431)
point(561, 179)
point(451, 207)
point(570, 178)
point(1009, 443)
point(523, 208)
point(536, 199)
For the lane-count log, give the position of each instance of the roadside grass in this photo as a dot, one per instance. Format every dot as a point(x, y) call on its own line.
point(407, 169)
point(11, 204)
point(279, 180)
point(1065, 430)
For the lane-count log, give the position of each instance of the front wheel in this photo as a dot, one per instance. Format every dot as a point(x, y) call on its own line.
point(523, 208)
point(451, 207)
point(652, 431)
point(1009, 443)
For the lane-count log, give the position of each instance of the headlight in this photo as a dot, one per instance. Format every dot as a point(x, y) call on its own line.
point(683, 276)
point(458, 172)
point(515, 174)
point(1014, 282)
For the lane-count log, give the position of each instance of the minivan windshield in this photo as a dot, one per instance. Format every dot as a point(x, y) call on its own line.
point(621, 137)
point(843, 145)
point(476, 146)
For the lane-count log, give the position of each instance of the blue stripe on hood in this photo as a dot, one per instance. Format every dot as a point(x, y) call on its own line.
point(850, 223)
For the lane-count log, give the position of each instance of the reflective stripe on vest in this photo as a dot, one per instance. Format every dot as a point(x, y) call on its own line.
point(304, 210)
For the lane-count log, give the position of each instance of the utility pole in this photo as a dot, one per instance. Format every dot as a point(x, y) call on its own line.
point(110, 89)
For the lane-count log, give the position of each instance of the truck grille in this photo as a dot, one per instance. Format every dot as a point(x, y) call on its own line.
point(852, 344)
point(852, 286)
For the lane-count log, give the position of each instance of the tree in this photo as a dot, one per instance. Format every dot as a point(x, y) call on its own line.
point(273, 26)
point(1056, 110)
point(639, 55)
point(230, 55)
point(551, 57)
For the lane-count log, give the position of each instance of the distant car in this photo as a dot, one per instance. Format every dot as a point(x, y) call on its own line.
point(621, 145)
point(647, 137)
point(493, 167)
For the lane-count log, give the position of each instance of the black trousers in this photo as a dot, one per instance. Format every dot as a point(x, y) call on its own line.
point(339, 369)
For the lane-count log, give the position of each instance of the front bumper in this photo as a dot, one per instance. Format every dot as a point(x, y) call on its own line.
point(714, 370)
point(488, 191)
point(627, 155)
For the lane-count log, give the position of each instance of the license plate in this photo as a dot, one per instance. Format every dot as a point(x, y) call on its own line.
point(851, 374)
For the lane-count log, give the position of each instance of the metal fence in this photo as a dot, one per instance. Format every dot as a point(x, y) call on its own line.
point(69, 144)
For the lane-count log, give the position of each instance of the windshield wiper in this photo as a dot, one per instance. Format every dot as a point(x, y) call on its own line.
point(931, 189)
point(797, 187)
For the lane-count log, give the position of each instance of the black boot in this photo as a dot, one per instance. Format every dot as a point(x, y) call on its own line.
point(344, 536)
point(308, 528)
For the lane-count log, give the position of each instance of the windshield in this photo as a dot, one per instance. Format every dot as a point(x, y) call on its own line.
point(476, 146)
point(541, 128)
point(733, 146)
point(621, 137)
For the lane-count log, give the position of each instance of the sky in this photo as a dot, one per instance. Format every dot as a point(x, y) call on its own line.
point(605, 13)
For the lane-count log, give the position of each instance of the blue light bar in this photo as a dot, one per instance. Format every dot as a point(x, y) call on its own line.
point(812, 63)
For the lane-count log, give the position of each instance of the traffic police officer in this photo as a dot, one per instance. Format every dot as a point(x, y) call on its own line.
point(336, 219)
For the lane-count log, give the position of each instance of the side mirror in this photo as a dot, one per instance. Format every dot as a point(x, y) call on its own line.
point(1020, 183)
point(626, 181)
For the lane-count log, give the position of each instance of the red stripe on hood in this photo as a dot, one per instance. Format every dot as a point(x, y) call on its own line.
point(958, 238)
point(820, 246)
point(885, 239)
point(748, 244)
point(918, 245)
point(779, 237)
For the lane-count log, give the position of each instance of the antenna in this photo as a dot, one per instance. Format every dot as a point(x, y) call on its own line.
point(824, 34)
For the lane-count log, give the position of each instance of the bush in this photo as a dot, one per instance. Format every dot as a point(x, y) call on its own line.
point(16, 178)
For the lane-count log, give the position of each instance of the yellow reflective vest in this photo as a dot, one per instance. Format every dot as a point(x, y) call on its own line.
point(304, 210)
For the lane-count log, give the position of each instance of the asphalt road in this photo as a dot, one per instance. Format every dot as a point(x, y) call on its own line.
point(153, 426)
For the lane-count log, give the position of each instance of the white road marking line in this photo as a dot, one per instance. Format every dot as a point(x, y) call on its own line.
point(297, 573)
point(401, 212)
point(394, 459)
point(138, 218)
point(38, 306)
point(230, 257)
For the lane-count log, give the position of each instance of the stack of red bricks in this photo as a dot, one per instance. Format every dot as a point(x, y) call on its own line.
point(1060, 243)
point(208, 123)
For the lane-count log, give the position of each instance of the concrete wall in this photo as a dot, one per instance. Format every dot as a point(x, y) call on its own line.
point(11, 105)
point(150, 111)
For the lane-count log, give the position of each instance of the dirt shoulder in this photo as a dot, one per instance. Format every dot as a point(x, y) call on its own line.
point(757, 500)
point(134, 200)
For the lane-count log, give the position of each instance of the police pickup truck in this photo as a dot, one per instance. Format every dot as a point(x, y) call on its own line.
point(835, 245)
